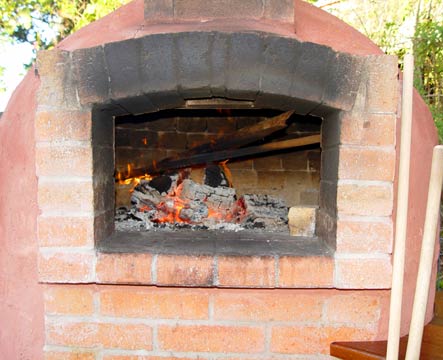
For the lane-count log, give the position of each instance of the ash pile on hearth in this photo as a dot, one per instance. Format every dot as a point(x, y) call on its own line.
point(176, 201)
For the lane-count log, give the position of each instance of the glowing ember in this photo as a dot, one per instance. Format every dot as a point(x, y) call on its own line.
point(176, 200)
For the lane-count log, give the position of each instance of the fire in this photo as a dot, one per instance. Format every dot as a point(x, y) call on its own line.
point(172, 206)
point(227, 172)
point(126, 179)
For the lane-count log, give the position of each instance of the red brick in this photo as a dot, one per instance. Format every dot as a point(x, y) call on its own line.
point(185, 270)
point(368, 129)
point(63, 125)
point(69, 355)
point(124, 268)
point(352, 308)
point(344, 333)
point(366, 164)
point(65, 267)
point(313, 339)
point(383, 84)
point(363, 199)
point(363, 273)
point(154, 303)
point(62, 160)
point(84, 334)
point(246, 271)
point(65, 196)
point(284, 305)
point(65, 231)
point(88, 334)
point(69, 300)
point(364, 236)
point(309, 272)
point(211, 338)
point(125, 336)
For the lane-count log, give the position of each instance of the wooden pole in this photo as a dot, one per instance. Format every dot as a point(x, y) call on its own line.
point(402, 211)
point(426, 256)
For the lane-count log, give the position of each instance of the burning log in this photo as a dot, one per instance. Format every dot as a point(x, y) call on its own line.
point(206, 158)
point(243, 136)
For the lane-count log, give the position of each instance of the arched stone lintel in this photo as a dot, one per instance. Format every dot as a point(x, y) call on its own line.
point(163, 70)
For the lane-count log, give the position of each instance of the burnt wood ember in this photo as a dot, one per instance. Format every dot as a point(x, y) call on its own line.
point(243, 136)
point(231, 146)
point(199, 206)
point(161, 183)
point(263, 211)
point(214, 176)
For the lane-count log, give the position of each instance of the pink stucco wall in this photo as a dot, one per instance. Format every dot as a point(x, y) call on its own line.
point(21, 300)
point(423, 141)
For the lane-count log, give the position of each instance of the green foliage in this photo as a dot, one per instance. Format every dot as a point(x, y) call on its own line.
point(398, 27)
point(428, 51)
point(2, 83)
point(43, 23)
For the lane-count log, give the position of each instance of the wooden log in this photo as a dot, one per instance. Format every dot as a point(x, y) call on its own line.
point(226, 154)
point(243, 136)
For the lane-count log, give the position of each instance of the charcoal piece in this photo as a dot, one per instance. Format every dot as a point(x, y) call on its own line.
point(161, 183)
point(220, 199)
point(263, 211)
point(143, 195)
point(214, 176)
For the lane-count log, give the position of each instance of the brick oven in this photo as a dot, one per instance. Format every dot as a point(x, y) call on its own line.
point(151, 81)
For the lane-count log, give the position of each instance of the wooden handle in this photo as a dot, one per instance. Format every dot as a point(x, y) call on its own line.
point(426, 256)
point(402, 211)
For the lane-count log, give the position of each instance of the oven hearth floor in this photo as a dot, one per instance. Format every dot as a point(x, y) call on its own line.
point(188, 242)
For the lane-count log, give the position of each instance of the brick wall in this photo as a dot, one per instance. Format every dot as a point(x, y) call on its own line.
point(128, 323)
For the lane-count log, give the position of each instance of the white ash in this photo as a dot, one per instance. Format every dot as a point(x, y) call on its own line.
point(187, 204)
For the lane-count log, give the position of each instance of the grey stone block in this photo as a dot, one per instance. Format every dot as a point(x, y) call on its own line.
point(343, 81)
point(166, 100)
point(280, 60)
point(158, 63)
point(123, 61)
point(218, 59)
point(285, 103)
point(245, 64)
point(311, 73)
point(137, 105)
point(92, 76)
point(193, 63)
point(102, 128)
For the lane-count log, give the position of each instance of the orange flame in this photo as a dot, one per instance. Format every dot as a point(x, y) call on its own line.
point(227, 171)
point(170, 209)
